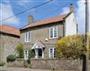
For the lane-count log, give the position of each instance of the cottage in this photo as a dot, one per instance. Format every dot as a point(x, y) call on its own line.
point(41, 36)
point(9, 37)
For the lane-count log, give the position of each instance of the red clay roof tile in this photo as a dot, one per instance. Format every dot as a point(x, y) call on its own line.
point(46, 21)
point(9, 30)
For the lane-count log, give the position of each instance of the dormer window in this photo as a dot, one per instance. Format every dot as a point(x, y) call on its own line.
point(53, 32)
point(27, 36)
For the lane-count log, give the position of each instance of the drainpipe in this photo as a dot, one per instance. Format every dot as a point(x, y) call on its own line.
point(85, 67)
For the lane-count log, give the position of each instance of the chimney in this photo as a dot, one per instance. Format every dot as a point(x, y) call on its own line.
point(71, 8)
point(30, 19)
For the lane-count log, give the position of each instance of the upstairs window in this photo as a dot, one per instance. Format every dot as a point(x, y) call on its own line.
point(27, 36)
point(53, 32)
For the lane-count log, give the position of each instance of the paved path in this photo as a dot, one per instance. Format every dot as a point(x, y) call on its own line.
point(22, 69)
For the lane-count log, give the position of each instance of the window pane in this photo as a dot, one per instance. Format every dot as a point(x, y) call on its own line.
point(27, 36)
point(51, 53)
point(55, 33)
point(51, 32)
point(54, 52)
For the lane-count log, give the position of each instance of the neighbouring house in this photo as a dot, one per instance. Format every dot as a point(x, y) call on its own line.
point(41, 36)
point(9, 38)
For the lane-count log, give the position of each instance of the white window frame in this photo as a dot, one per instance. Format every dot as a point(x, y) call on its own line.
point(53, 31)
point(26, 54)
point(28, 36)
point(52, 55)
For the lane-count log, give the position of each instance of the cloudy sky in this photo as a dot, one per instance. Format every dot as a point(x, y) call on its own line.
point(16, 12)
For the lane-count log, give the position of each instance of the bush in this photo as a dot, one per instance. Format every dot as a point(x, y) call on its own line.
point(2, 63)
point(70, 47)
point(11, 58)
point(31, 55)
point(20, 50)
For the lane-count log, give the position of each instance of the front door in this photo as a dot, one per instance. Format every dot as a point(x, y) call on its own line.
point(39, 49)
point(40, 53)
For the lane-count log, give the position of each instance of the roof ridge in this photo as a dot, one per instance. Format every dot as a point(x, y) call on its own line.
point(46, 21)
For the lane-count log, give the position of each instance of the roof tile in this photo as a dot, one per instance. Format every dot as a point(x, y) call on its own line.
point(46, 21)
point(9, 30)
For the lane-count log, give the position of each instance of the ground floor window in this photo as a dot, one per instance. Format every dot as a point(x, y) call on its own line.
point(52, 52)
point(26, 53)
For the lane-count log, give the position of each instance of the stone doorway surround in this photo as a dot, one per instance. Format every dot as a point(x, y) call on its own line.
point(39, 49)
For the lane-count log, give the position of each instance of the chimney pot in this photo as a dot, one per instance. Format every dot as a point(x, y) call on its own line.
point(71, 8)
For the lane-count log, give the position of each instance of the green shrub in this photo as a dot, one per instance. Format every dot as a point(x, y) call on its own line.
point(20, 50)
point(31, 55)
point(11, 58)
point(70, 47)
point(2, 63)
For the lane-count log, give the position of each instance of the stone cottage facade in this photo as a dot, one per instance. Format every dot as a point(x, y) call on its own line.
point(41, 36)
point(9, 38)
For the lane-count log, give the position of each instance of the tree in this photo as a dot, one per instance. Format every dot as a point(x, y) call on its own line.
point(20, 50)
point(70, 47)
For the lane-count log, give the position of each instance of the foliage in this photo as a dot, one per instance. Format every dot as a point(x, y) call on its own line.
point(70, 47)
point(31, 55)
point(2, 63)
point(11, 58)
point(20, 50)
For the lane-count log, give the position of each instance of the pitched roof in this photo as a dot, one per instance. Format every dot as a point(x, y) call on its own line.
point(46, 21)
point(9, 30)
point(38, 44)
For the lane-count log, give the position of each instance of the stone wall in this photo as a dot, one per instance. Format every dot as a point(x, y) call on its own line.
point(8, 45)
point(17, 63)
point(63, 65)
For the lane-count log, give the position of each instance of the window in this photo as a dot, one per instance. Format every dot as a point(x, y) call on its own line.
point(27, 36)
point(53, 32)
point(51, 52)
point(26, 54)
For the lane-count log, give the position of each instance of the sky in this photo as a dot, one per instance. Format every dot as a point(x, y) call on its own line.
point(16, 12)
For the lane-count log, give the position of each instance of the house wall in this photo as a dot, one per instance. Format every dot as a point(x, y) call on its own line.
point(8, 44)
point(41, 33)
point(65, 28)
point(70, 25)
